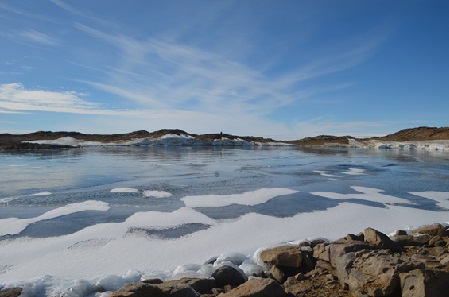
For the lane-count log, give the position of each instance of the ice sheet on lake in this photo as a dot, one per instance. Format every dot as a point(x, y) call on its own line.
point(247, 198)
point(15, 225)
point(370, 194)
point(31, 258)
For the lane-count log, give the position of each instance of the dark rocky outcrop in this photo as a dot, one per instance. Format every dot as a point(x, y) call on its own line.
point(10, 292)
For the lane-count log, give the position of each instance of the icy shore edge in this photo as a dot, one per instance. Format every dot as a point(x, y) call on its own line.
point(393, 265)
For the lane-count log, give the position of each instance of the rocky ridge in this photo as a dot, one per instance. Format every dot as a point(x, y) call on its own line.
point(369, 264)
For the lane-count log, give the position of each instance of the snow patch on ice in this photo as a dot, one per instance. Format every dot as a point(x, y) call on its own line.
point(248, 198)
point(370, 194)
point(42, 194)
point(441, 197)
point(324, 173)
point(124, 190)
point(15, 225)
point(156, 194)
point(355, 171)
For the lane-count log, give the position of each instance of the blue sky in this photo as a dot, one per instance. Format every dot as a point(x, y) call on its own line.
point(281, 69)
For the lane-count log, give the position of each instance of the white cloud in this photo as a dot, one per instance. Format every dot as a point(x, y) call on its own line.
point(15, 97)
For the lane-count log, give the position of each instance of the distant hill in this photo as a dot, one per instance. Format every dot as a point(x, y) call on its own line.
point(419, 134)
point(21, 141)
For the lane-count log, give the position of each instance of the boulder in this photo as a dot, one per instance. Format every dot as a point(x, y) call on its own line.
point(321, 252)
point(10, 292)
point(378, 238)
point(263, 287)
point(411, 240)
point(201, 285)
point(374, 274)
point(288, 256)
point(281, 273)
point(227, 275)
point(141, 289)
point(278, 274)
point(428, 283)
point(432, 230)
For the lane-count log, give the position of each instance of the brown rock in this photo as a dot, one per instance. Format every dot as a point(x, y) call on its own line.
point(278, 274)
point(288, 256)
point(437, 241)
point(297, 287)
point(432, 230)
point(419, 283)
point(201, 285)
point(141, 289)
point(321, 252)
point(264, 287)
point(380, 239)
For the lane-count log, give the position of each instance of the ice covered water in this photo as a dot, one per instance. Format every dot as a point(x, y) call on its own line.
point(74, 220)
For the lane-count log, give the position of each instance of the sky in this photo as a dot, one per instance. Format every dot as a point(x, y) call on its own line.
point(281, 69)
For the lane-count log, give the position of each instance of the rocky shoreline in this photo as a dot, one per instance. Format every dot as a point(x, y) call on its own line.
point(409, 264)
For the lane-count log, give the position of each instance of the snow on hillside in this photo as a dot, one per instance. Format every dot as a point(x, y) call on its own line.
point(166, 140)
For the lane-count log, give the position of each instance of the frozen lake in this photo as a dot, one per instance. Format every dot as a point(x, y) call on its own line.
point(108, 215)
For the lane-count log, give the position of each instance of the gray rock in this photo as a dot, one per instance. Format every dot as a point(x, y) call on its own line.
point(227, 275)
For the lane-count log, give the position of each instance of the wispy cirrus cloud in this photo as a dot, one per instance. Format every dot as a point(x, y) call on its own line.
point(31, 37)
point(36, 36)
point(24, 13)
point(81, 13)
point(161, 73)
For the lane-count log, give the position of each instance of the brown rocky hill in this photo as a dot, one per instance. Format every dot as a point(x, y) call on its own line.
point(420, 133)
